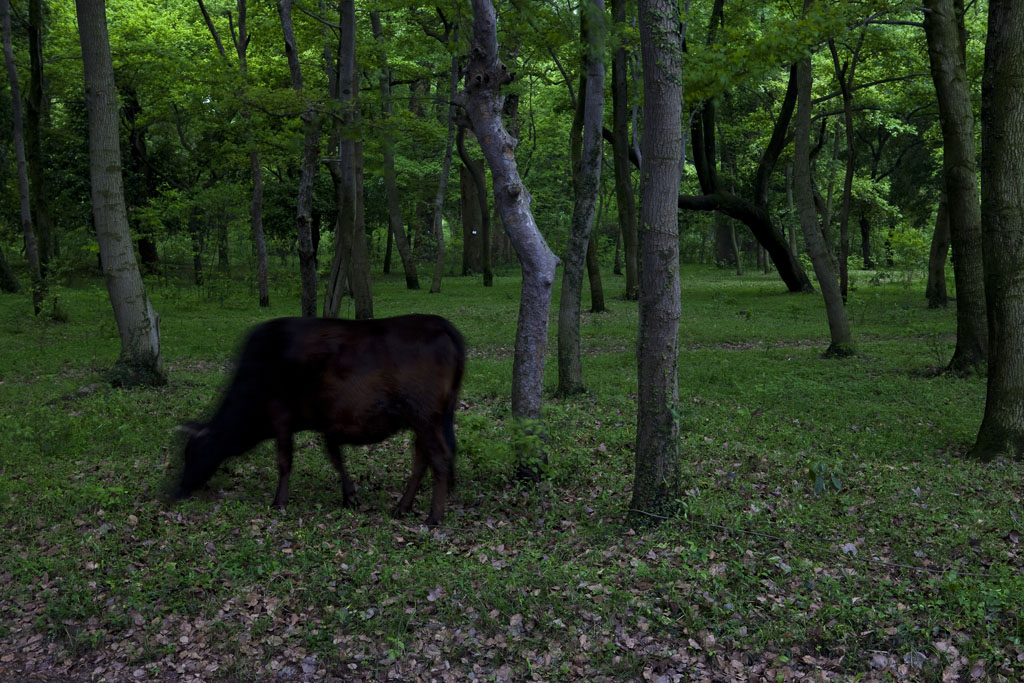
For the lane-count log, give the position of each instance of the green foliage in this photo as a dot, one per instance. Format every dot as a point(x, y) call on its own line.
point(826, 477)
point(828, 514)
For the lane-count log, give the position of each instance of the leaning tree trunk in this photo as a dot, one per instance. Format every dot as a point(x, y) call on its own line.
point(1002, 207)
point(307, 174)
point(482, 99)
point(395, 225)
point(586, 158)
point(946, 52)
point(138, 324)
point(755, 213)
point(31, 245)
point(442, 184)
point(620, 149)
point(656, 480)
point(935, 290)
point(821, 258)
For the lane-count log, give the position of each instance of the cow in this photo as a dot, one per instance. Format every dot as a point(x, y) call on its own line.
point(355, 382)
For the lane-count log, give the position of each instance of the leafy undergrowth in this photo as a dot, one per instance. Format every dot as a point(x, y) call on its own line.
point(830, 527)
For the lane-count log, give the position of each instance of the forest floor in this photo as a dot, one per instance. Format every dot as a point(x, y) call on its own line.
point(830, 528)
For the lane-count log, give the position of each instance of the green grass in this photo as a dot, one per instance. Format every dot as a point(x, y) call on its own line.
point(830, 522)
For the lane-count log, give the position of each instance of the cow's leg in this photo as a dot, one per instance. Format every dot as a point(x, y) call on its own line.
point(334, 454)
point(420, 461)
point(432, 451)
point(284, 470)
point(442, 464)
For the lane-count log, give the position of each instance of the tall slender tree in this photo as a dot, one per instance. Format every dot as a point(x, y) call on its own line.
point(446, 163)
point(140, 361)
point(351, 260)
point(483, 100)
point(307, 173)
point(586, 160)
point(656, 479)
point(1002, 212)
point(943, 22)
point(821, 257)
point(396, 226)
point(18, 137)
point(35, 110)
point(620, 151)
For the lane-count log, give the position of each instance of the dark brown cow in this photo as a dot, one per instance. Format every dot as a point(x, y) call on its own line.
point(355, 382)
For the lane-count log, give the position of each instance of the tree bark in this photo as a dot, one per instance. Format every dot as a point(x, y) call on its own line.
point(395, 223)
point(586, 162)
point(865, 242)
point(817, 249)
point(1002, 206)
point(485, 74)
point(46, 240)
point(473, 189)
point(259, 241)
point(307, 174)
point(597, 304)
point(442, 183)
point(844, 75)
point(755, 213)
point(935, 291)
point(18, 137)
point(656, 480)
point(140, 361)
point(8, 280)
point(351, 260)
point(620, 149)
point(956, 116)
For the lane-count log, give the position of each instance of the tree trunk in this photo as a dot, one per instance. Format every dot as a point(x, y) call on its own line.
point(844, 75)
point(351, 260)
point(18, 137)
point(8, 280)
point(138, 324)
point(735, 247)
point(258, 238)
point(956, 116)
point(791, 216)
point(307, 175)
point(817, 249)
point(755, 213)
point(865, 242)
point(597, 304)
point(255, 168)
point(46, 240)
point(395, 223)
point(485, 74)
point(656, 480)
point(620, 149)
point(586, 162)
point(474, 206)
point(935, 291)
point(359, 273)
point(1002, 206)
point(442, 183)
